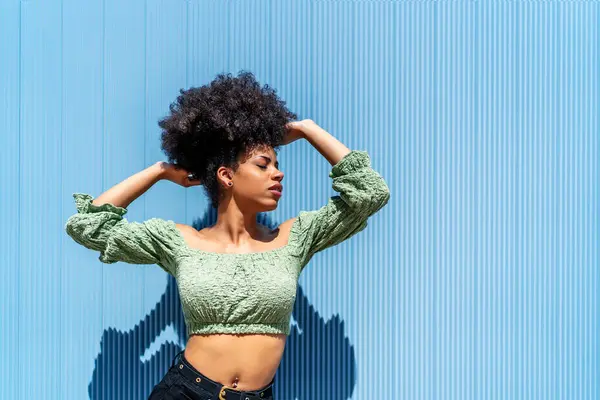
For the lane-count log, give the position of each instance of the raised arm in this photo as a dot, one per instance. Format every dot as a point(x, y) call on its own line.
point(362, 192)
point(125, 192)
point(99, 224)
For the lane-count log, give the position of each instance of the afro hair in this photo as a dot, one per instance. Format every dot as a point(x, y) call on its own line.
point(221, 123)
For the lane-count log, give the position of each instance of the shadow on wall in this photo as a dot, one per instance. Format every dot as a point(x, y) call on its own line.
point(318, 361)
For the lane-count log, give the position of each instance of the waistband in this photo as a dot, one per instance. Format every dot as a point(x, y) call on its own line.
point(225, 392)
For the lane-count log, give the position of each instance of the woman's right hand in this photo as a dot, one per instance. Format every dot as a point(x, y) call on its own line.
point(176, 174)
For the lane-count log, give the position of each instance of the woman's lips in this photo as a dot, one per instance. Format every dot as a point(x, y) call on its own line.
point(275, 192)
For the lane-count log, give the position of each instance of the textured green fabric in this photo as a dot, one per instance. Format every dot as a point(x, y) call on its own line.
point(236, 292)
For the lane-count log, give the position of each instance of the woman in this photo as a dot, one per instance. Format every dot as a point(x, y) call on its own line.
point(237, 280)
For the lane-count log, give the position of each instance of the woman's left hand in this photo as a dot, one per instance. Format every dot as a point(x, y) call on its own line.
point(297, 130)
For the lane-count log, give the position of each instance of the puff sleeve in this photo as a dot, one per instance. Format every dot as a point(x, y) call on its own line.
point(362, 192)
point(103, 228)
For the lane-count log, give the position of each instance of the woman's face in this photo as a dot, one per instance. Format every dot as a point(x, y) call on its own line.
point(253, 180)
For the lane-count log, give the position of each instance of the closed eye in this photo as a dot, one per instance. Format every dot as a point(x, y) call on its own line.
point(263, 167)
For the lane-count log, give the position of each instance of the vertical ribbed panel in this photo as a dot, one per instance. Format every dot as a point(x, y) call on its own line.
point(479, 279)
point(11, 378)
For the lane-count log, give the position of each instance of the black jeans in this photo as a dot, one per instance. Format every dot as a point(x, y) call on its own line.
point(185, 382)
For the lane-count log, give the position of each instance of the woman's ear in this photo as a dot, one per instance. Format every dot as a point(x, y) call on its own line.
point(224, 176)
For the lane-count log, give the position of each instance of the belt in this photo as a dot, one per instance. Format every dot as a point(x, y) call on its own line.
point(225, 392)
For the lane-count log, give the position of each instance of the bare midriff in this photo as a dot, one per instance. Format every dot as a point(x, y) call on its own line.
point(245, 362)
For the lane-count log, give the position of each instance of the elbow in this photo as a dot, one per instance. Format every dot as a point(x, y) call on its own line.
point(369, 202)
point(385, 193)
point(71, 226)
point(385, 196)
point(380, 194)
point(74, 230)
point(80, 232)
point(380, 198)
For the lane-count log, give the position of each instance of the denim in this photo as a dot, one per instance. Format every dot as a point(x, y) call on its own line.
point(175, 386)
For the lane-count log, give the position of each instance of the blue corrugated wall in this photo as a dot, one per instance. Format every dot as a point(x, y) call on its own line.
point(479, 280)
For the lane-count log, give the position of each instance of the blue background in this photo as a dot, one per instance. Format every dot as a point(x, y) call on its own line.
point(479, 279)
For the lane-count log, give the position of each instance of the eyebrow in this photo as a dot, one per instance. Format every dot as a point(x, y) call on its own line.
point(268, 158)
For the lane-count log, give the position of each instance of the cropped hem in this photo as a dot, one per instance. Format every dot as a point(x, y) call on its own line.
point(195, 328)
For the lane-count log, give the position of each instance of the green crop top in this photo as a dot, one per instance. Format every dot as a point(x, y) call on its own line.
point(235, 292)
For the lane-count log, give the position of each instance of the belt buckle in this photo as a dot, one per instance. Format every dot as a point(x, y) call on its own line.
point(222, 392)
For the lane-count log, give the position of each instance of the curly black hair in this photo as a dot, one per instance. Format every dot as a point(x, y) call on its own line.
point(221, 123)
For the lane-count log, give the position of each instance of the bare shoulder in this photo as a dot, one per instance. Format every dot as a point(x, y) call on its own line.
point(185, 229)
point(183, 226)
point(285, 226)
